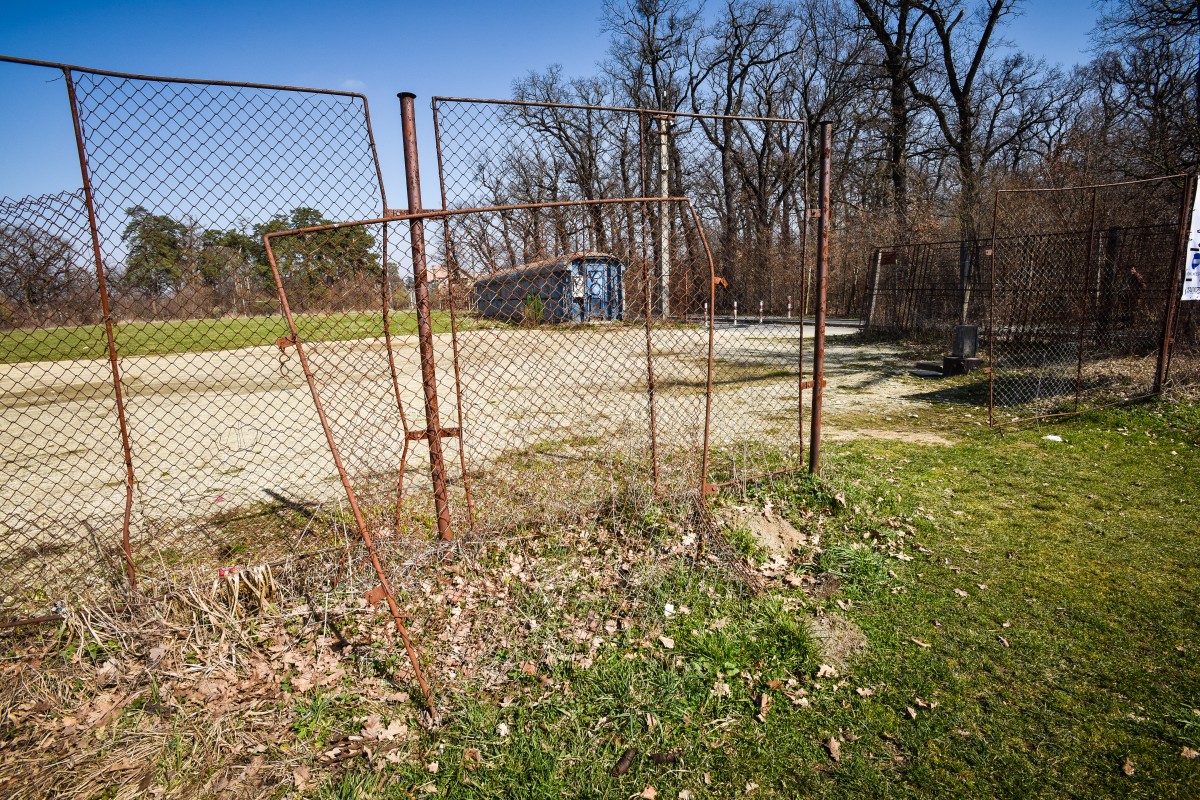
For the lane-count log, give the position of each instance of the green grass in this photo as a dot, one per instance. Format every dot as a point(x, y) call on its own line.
point(198, 335)
point(1070, 648)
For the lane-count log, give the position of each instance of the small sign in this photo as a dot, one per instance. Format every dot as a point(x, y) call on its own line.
point(1191, 266)
point(888, 258)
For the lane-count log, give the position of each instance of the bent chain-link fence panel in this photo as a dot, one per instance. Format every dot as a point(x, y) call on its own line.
point(559, 395)
point(226, 449)
point(1081, 287)
point(745, 178)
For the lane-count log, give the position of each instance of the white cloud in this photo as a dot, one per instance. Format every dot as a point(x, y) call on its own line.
point(353, 85)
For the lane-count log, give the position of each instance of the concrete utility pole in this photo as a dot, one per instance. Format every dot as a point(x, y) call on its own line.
point(664, 217)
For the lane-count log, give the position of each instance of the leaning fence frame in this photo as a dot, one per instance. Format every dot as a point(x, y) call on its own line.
point(1169, 312)
point(68, 71)
point(664, 116)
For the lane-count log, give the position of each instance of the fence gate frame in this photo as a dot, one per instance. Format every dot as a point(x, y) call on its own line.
point(659, 125)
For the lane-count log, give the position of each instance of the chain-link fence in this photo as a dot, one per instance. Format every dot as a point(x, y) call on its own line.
point(1083, 281)
point(198, 431)
point(178, 394)
point(923, 290)
point(746, 178)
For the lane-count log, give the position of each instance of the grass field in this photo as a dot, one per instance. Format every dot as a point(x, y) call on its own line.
point(1029, 609)
point(1042, 642)
point(200, 335)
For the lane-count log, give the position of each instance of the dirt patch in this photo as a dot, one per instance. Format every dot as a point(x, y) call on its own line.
point(772, 532)
point(837, 639)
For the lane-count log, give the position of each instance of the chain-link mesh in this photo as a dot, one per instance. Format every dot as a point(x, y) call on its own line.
point(745, 178)
point(916, 290)
point(185, 178)
point(548, 382)
point(1081, 286)
point(63, 470)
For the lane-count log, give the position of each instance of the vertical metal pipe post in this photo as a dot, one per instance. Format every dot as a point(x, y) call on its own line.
point(1178, 263)
point(814, 443)
point(433, 426)
point(110, 334)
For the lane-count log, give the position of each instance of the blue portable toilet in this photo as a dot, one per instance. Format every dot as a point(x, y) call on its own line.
point(581, 287)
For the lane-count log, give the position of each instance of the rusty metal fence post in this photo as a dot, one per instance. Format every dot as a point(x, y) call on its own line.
point(433, 429)
point(1179, 262)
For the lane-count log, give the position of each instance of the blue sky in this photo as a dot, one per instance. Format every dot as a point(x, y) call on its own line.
point(452, 47)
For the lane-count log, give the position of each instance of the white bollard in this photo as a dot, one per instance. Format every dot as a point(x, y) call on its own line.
point(789, 306)
point(706, 315)
point(735, 313)
point(760, 312)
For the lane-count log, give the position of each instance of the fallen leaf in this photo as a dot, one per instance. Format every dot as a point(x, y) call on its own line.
point(376, 595)
point(1003, 641)
point(774, 685)
point(912, 712)
point(301, 776)
point(372, 727)
point(109, 674)
point(835, 748)
point(432, 767)
point(1127, 767)
point(826, 671)
point(764, 705)
point(722, 689)
point(394, 729)
point(684, 794)
point(1189, 753)
point(667, 642)
point(502, 730)
point(961, 593)
point(529, 668)
point(624, 762)
point(649, 793)
point(865, 691)
point(472, 758)
point(750, 787)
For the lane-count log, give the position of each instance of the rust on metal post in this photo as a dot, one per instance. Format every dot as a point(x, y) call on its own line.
point(110, 334)
point(1179, 263)
point(818, 391)
point(803, 301)
point(412, 174)
point(647, 269)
